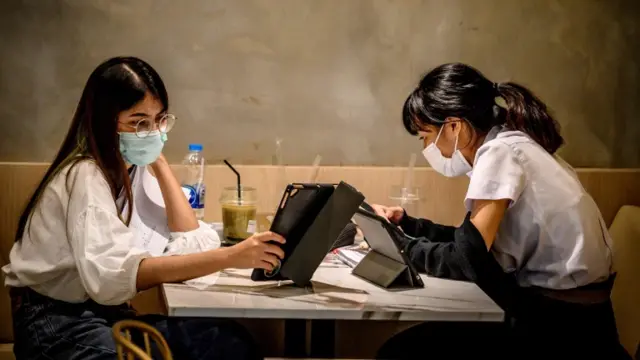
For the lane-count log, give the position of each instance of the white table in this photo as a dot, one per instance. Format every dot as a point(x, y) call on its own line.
point(334, 294)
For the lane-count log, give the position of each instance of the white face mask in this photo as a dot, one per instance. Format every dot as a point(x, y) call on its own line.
point(454, 166)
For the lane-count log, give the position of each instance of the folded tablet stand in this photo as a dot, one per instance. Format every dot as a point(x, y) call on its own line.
point(386, 272)
point(386, 263)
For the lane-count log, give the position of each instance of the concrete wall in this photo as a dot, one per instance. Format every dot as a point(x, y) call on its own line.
point(326, 76)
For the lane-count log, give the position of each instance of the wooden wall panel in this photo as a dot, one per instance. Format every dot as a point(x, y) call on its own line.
point(441, 198)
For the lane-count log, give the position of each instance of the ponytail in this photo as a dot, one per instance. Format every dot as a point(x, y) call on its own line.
point(459, 90)
point(526, 113)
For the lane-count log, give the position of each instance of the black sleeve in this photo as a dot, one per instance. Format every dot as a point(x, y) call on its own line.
point(463, 256)
point(426, 228)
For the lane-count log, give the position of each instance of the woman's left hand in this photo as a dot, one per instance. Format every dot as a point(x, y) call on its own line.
point(161, 160)
point(180, 215)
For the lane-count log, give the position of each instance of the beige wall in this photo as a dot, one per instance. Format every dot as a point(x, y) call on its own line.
point(326, 76)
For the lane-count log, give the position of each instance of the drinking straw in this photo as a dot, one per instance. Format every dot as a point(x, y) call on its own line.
point(238, 177)
point(316, 169)
point(278, 154)
point(408, 180)
point(281, 176)
point(279, 163)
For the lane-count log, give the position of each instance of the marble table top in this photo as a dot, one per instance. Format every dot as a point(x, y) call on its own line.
point(334, 293)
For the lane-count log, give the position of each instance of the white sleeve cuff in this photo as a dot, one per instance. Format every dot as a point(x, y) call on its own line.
point(201, 239)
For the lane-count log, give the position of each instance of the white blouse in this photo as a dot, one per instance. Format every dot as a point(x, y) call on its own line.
point(552, 234)
point(75, 247)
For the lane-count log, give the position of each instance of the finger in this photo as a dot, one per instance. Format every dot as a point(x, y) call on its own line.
point(380, 211)
point(274, 250)
point(271, 259)
point(398, 214)
point(264, 265)
point(388, 214)
point(270, 236)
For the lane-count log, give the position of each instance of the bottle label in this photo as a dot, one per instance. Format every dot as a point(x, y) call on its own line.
point(195, 195)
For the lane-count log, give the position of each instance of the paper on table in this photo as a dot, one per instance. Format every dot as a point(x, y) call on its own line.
point(149, 220)
point(204, 282)
point(238, 278)
point(351, 255)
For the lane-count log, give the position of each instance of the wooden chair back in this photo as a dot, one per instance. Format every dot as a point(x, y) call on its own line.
point(126, 347)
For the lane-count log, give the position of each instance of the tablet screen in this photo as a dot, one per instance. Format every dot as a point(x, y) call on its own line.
point(377, 236)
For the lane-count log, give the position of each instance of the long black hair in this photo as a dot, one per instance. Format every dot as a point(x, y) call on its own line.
point(459, 90)
point(114, 86)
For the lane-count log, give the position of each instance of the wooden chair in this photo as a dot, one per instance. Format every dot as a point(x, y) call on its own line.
point(124, 344)
point(625, 233)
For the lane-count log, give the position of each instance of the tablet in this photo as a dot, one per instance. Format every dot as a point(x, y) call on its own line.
point(378, 234)
point(383, 238)
point(299, 207)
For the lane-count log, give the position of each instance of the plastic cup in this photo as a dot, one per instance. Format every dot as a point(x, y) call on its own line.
point(408, 198)
point(238, 214)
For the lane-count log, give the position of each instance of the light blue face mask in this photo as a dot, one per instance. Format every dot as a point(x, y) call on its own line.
point(141, 151)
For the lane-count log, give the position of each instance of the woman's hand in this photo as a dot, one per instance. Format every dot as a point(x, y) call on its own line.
point(392, 213)
point(180, 215)
point(161, 160)
point(254, 252)
point(257, 252)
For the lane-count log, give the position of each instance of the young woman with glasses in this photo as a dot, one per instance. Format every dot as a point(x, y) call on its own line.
point(74, 265)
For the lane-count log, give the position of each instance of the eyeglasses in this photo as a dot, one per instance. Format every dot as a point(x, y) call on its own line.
point(145, 126)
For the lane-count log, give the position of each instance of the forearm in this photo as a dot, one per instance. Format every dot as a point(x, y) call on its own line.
point(170, 269)
point(443, 260)
point(460, 257)
point(465, 257)
point(180, 216)
point(427, 229)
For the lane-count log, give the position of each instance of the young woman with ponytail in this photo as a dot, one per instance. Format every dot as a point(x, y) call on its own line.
point(533, 239)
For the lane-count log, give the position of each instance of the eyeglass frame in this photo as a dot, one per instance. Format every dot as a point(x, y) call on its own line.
point(156, 126)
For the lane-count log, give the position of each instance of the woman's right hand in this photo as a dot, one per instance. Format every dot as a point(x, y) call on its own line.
point(392, 213)
point(257, 252)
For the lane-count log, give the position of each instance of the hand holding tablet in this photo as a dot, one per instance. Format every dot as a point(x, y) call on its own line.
point(310, 217)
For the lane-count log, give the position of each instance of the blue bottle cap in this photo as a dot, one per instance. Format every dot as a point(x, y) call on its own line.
point(195, 147)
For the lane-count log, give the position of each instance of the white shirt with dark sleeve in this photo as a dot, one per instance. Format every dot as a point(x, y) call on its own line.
point(552, 235)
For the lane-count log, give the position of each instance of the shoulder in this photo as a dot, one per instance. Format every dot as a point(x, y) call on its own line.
point(497, 173)
point(84, 179)
point(496, 153)
point(84, 171)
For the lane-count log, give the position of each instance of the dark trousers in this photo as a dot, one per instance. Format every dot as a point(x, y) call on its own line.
point(446, 340)
point(543, 329)
point(45, 328)
point(559, 329)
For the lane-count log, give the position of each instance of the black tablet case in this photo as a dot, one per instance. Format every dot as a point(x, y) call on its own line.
point(310, 217)
point(377, 267)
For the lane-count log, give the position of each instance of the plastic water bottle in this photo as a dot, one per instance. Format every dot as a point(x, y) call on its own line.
point(193, 179)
